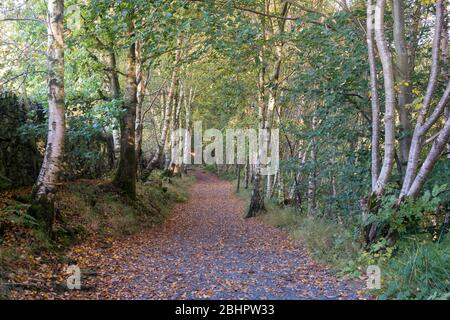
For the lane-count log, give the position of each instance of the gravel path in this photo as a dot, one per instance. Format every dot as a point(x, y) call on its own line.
point(205, 250)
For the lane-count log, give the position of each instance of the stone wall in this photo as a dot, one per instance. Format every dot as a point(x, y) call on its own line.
point(19, 159)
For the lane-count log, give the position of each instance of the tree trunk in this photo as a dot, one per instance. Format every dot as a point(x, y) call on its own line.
point(423, 125)
point(266, 113)
point(142, 83)
point(114, 86)
point(434, 154)
point(247, 173)
point(238, 178)
point(188, 122)
point(445, 64)
point(174, 125)
point(256, 200)
point(404, 81)
point(113, 75)
point(375, 152)
point(268, 186)
point(125, 178)
point(281, 188)
point(312, 180)
point(157, 158)
point(45, 188)
point(389, 120)
point(116, 142)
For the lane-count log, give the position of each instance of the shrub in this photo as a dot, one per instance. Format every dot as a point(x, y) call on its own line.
point(410, 217)
point(420, 270)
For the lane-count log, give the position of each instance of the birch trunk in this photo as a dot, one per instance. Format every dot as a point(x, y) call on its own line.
point(434, 154)
point(257, 200)
point(139, 126)
point(174, 125)
point(115, 94)
point(295, 195)
point(157, 158)
point(389, 120)
point(45, 187)
point(187, 159)
point(116, 142)
point(423, 125)
point(375, 152)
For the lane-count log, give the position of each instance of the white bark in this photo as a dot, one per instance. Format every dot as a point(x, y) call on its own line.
point(389, 120)
point(116, 140)
point(423, 125)
point(141, 87)
point(375, 152)
point(168, 112)
point(188, 122)
point(434, 154)
point(48, 175)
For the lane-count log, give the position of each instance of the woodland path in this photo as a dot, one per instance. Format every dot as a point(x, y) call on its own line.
point(206, 250)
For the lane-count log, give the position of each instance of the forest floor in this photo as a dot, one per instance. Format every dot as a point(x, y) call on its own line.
point(205, 250)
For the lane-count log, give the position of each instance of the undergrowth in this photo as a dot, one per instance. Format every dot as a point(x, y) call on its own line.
point(84, 209)
point(416, 267)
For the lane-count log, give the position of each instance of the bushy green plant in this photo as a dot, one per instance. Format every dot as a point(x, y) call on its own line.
point(420, 270)
point(410, 216)
point(17, 214)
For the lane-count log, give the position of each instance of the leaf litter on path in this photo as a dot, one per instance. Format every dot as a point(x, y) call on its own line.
point(205, 250)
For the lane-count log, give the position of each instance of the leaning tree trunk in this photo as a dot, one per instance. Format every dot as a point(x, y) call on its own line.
point(125, 178)
point(436, 150)
point(45, 187)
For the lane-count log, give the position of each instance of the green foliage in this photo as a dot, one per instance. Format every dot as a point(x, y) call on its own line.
point(420, 270)
point(16, 214)
point(86, 141)
point(412, 215)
